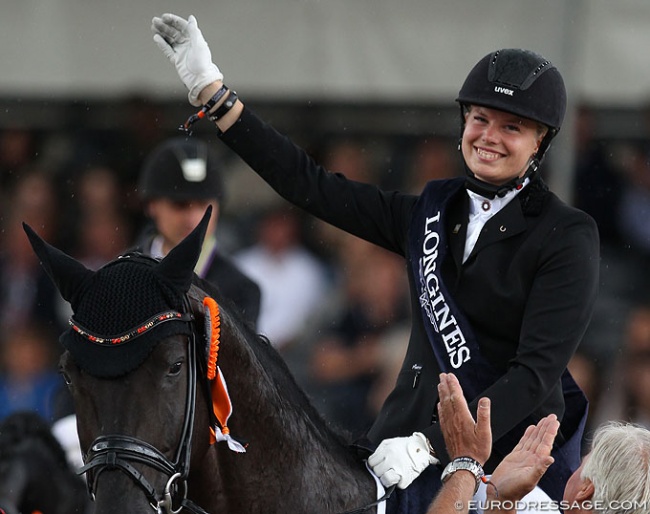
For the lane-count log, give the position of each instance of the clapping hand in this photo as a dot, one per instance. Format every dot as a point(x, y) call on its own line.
point(463, 436)
point(520, 471)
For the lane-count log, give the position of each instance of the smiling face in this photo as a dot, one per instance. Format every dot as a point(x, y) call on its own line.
point(497, 146)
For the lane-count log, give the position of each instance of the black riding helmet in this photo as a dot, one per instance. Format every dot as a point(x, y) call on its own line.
point(181, 169)
point(520, 82)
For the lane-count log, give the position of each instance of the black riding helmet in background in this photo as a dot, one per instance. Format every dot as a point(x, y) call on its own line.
point(181, 169)
point(520, 82)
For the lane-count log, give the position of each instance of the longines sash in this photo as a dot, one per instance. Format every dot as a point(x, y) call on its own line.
point(455, 346)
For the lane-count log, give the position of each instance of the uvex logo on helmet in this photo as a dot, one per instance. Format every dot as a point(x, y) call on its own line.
point(494, 80)
point(503, 90)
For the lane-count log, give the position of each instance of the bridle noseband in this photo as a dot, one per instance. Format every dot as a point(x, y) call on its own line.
point(111, 452)
point(117, 452)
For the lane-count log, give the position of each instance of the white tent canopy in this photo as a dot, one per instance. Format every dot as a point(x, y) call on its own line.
point(324, 49)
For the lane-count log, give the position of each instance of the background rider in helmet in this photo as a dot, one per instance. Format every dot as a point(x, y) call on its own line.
point(177, 183)
point(503, 274)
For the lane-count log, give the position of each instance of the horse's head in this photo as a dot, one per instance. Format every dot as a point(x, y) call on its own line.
point(135, 352)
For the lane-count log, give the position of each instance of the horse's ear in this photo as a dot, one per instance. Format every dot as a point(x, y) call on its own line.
point(178, 265)
point(68, 274)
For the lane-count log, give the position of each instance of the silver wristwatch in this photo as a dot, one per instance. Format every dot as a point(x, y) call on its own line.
point(466, 463)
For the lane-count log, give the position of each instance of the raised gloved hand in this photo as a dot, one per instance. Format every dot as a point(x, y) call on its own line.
point(183, 43)
point(400, 460)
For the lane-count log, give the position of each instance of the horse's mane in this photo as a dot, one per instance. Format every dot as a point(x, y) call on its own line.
point(28, 425)
point(276, 367)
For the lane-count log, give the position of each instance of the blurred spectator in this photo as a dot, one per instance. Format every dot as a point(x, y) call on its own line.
point(597, 184)
point(361, 344)
point(626, 396)
point(35, 199)
point(102, 237)
point(432, 158)
point(142, 130)
point(249, 198)
point(591, 376)
point(29, 380)
point(633, 210)
point(351, 158)
point(609, 185)
point(179, 180)
point(98, 189)
point(585, 372)
point(636, 373)
point(293, 281)
point(99, 217)
point(26, 293)
point(17, 151)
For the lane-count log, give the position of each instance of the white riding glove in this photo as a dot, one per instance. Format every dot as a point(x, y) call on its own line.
point(183, 44)
point(400, 460)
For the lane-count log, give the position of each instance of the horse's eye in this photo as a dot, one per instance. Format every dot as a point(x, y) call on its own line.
point(175, 368)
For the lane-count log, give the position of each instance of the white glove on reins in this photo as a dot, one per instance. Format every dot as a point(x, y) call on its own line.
point(183, 44)
point(400, 460)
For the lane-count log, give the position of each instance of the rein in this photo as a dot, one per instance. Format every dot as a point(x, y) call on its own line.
point(119, 451)
point(384, 498)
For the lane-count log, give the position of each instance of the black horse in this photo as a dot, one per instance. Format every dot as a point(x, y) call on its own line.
point(148, 394)
point(34, 473)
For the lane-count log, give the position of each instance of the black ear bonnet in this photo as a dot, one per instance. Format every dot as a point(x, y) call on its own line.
point(132, 308)
point(121, 311)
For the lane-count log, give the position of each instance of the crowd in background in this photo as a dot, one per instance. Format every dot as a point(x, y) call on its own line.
point(335, 307)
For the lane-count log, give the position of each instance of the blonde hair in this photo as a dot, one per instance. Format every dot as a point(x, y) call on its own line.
point(541, 129)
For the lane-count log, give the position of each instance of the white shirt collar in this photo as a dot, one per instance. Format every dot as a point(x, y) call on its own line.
point(489, 207)
point(156, 250)
point(481, 209)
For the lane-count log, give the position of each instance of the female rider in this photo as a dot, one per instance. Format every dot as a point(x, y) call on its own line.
point(503, 275)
